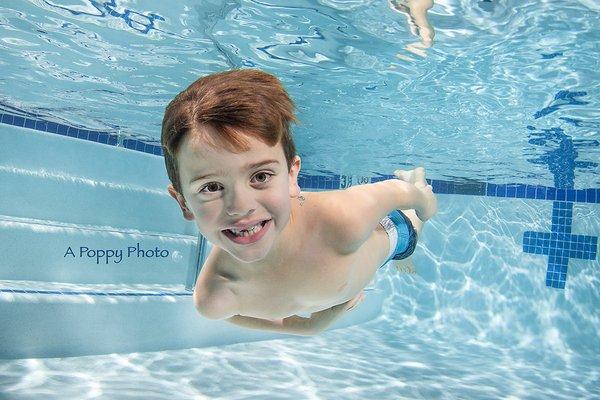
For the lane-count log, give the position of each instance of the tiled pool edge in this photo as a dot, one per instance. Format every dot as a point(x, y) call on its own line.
point(517, 191)
point(109, 138)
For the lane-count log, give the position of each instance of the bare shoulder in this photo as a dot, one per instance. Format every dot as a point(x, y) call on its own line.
point(213, 297)
point(332, 209)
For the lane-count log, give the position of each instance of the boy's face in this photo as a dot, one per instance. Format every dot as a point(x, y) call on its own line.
point(236, 193)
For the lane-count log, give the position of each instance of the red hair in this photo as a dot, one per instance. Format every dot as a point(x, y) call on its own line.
point(243, 100)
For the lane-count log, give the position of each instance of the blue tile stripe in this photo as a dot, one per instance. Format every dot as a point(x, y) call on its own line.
point(93, 293)
point(473, 188)
point(517, 191)
point(109, 138)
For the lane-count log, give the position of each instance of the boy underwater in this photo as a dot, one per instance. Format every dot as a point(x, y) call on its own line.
point(277, 250)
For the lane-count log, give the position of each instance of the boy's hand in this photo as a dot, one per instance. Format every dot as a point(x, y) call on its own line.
point(417, 177)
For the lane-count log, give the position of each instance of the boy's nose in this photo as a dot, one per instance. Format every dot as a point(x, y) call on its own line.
point(240, 202)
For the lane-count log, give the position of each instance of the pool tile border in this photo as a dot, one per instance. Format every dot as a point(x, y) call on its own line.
point(473, 188)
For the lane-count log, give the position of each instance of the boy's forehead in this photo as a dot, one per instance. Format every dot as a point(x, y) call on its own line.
point(196, 154)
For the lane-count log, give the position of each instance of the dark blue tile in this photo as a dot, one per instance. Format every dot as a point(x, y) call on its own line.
point(560, 194)
point(321, 182)
point(41, 125)
point(113, 139)
point(314, 182)
point(470, 188)
point(450, 187)
point(29, 123)
point(336, 180)
point(93, 136)
point(570, 195)
point(540, 192)
point(447, 187)
point(501, 190)
point(52, 127)
point(550, 193)
point(520, 192)
point(594, 196)
point(511, 191)
point(7, 119)
point(103, 137)
point(128, 144)
point(530, 191)
point(62, 129)
point(18, 121)
point(301, 181)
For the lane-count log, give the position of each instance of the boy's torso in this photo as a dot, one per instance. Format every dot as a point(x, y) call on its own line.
point(315, 277)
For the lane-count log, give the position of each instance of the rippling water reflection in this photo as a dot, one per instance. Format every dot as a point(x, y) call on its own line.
point(494, 66)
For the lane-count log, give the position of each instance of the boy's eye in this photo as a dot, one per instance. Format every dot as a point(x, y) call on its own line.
point(211, 185)
point(264, 173)
point(214, 185)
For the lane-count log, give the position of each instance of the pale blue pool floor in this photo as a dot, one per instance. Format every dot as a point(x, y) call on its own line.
point(377, 360)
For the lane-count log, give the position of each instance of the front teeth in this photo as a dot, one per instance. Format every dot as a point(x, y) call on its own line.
point(247, 232)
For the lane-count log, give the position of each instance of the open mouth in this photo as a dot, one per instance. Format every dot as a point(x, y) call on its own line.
point(249, 236)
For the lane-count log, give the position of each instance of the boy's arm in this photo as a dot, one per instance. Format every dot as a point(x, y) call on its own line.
point(293, 325)
point(353, 214)
point(221, 304)
point(317, 323)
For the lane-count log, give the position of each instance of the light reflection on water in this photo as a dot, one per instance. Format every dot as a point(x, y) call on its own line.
point(467, 94)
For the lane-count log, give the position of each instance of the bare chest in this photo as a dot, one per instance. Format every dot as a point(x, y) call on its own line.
point(317, 277)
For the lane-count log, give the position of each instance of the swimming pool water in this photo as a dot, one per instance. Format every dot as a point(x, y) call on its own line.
point(502, 110)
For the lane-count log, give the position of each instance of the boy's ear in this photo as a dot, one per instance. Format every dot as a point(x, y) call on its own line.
point(187, 214)
point(294, 170)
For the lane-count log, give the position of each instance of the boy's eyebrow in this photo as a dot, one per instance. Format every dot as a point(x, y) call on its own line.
point(247, 167)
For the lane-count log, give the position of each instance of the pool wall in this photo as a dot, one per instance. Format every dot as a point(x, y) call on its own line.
point(69, 207)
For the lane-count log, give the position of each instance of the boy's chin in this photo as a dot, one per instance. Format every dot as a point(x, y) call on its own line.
point(248, 258)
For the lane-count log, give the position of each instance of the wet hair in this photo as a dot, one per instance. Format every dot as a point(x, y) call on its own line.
point(236, 103)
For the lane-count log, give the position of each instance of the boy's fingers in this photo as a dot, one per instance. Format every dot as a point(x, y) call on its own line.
point(419, 174)
point(401, 174)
